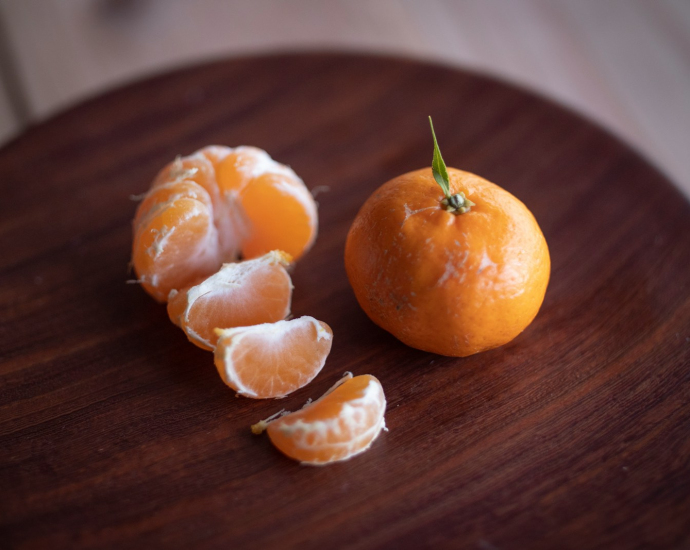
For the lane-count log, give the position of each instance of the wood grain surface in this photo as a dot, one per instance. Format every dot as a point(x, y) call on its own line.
point(115, 432)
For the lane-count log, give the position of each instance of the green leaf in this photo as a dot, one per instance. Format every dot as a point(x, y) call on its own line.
point(438, 167)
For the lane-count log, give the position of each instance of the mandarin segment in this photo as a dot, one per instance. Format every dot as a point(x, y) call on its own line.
point(216, 154)
point(195, 167)
point(282, 214)
point(165, 194)
point(236, 169)
point(344, 422)
point(279, 210)
point(239, 294)
point(273, 359)
point(173, 244)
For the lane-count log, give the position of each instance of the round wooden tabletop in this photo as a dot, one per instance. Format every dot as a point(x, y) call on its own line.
point(115, 432)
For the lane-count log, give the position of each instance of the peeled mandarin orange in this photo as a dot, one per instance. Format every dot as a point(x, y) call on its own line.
point(447, 261)
point(341, 424)
point(214, 206)
point(239, 294)
point(272, 359)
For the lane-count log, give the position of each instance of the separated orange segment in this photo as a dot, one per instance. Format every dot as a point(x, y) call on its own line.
point(239, 294)
point(272, 359)
point(341, 424)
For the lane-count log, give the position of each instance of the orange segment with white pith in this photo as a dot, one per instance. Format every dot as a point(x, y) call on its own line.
point(269, 193)
point(272, 359)
point(344, 422)
point(239, 294)
point(175, 238)
point(241, 203)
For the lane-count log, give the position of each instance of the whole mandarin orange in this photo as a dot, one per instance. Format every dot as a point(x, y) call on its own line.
point(447, 261)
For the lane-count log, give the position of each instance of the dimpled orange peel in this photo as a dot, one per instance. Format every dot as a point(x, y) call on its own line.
point(447, 261)
point(343, 423)
point(212, 207)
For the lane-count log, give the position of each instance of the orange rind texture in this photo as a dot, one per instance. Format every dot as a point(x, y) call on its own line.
point(452, 284)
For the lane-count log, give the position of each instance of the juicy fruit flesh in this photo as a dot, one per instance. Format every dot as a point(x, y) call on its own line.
point(266, 204)
point(213, 206)
point(176, 242)
point(272, 360)
point(342, 423)
point(239, 294)
point(163, 195)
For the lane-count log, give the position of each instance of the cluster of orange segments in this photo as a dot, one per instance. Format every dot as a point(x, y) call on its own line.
point(204, 212)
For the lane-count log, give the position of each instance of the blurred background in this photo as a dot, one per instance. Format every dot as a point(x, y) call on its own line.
point(622, 63)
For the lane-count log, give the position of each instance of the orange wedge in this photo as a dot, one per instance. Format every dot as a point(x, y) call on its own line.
point(175, 239)
point(239, 294)
point(341, 424)
point(277, 208)
point(272, 359)
point(214, 206)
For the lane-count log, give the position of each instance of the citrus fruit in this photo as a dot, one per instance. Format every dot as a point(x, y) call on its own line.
point(175, 239)
point(344, 422)
point(447, 261)
point(272, 359)
point(214, 206)
point(239, 294)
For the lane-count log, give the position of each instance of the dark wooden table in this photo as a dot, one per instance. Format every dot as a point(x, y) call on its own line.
point(115, 432)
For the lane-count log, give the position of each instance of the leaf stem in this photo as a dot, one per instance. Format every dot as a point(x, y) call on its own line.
point(457, 203)
point(438, 167)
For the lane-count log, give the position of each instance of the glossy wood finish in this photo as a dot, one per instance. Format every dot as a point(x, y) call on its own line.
point(116, 432)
